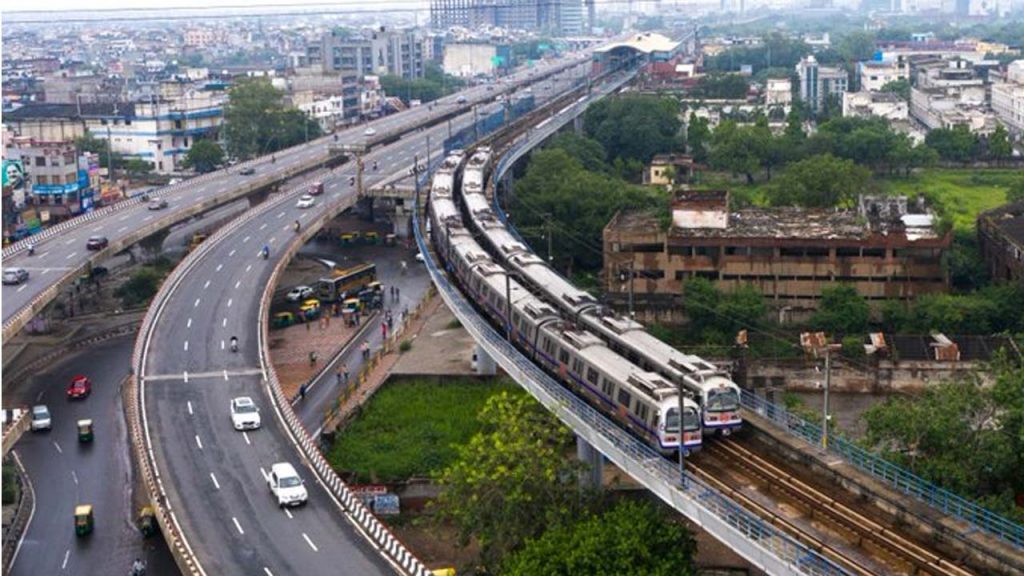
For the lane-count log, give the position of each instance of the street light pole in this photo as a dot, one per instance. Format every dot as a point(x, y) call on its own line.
point(508, 306)
point(682, 465)
point(824, 409)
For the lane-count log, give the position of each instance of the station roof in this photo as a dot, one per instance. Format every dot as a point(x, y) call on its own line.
point(647, 43)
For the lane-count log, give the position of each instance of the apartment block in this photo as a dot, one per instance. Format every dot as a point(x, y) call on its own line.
point(1008, 98)
point(1001, 237)
point(817, 83)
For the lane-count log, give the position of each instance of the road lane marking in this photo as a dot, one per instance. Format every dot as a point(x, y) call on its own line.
point(122, 229)
point(249, 267)
point(123, 218)
point(288, 513)
point(237, 525)
point(229, 302)
point(246, 239)
point(221, 344)
point(207, 285)
point(45, 271)
point(186, 345)
point(232, 253)
point(237, 284)
point(199, 442)
point(219, 266)
point(262, 226)
point(281, 215)
point(224, 324)
point(263, 473)
point(189, 404)
point(215, 483)
point(23, 286)
point(267, 571)
point(273, 239)
point(310, 542)
point(246, 436)
point(74, 477)
point(67, 554)
point(186, 377)
point(70, 256)
point(70, 242)
point(147, 218)
point(225, 374)
point(196, 305)
point(189, 323)
point(57, 446)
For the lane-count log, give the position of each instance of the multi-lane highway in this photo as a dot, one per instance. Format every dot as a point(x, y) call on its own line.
point(59, 256)
point(213, 475)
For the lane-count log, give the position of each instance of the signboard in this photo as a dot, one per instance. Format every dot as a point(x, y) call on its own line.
point(13, 174)
point(386, 505)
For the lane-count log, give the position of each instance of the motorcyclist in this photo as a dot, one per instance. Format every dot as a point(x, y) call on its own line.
point(374, 165)
point(297, 225)
point(138, 568)
point(265, 251)
point(31, 249)
point(234, 343)
point(351, 180)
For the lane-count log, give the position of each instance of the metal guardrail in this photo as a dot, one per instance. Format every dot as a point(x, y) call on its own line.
point(759, 542)
point(899, 478)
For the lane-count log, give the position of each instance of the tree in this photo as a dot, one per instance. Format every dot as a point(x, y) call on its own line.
point(822, 181)
point(698, 137)
point(250, 118)
point(739, 149)
point(634, 127)
point(999, 146)
point(1015, 193)
point(631, 538)
point(512, 479)
point(587, 151)
point(716, 316)
point(722, 86)
point(137, 166)
point(900, 87)
point(204, 156)
point(955, 144)
point(842, 311)
point(140, 287)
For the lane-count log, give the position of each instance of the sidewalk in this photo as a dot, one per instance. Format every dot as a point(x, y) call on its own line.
point(290, 348)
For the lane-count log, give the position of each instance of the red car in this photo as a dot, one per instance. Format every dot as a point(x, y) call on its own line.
point(80, 387)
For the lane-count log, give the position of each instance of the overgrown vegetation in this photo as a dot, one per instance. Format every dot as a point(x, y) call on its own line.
point(10, 483)
point(434, 84)
point(256, 121)
point(412, 428)
point(143, 284)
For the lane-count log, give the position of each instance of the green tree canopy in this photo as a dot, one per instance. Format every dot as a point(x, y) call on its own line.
point(634, 127)
point(999, 146)
point(714, 316)
point(1015, 193)
point(698, 137)
point(842, 311)
point(721, 86)
point(820, 181)
point(629, 539)
point(955, 144)
point(512, 479)
point(740, 149)
point(256, 121)
point(204, 156)
point(900, 87)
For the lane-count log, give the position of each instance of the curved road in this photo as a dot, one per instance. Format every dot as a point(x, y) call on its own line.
point(64, 253)
point(213, 475)
point(65, 473)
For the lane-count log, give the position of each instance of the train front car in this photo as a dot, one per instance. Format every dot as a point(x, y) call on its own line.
point(721, 404)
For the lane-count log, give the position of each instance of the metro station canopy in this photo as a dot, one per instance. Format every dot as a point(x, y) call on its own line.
point(651, 46)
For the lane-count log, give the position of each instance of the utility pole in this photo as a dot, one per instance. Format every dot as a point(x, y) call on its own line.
point(622, 278)
point(682, 465)
point(508, 306)
point(816, 343)
point(547, 223)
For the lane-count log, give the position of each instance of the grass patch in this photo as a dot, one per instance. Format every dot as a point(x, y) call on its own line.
point(11, 488)
point(453, 324)
point(958, 194)
point(411, 428)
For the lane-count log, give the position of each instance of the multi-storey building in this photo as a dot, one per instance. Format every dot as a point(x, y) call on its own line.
point(1008, 98)
point(778, 92)
point(950, 93)
point(886, 249)
point(59, 178)
point(874, 74)
point(563, 17)
point(866, 104)
point(817, 83)
point(371, 52)
point(1001, 237)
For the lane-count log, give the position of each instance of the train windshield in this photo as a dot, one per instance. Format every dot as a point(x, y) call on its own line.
point(691, 421)
point(722, 400)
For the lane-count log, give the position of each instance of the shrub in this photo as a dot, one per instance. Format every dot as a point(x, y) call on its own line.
point(405, 346)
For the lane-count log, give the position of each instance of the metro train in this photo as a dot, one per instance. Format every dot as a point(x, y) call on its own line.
point(642, 401)
point(717, 394)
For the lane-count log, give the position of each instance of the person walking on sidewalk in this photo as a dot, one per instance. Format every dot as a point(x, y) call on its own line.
point(384, 330)
point(366, 349)
point(312, 357)
point(344, 374)
point(302, 392)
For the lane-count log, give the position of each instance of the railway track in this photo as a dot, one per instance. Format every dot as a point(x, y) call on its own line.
point(860, 531)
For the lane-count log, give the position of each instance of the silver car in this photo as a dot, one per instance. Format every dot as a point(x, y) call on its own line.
point(15, 275)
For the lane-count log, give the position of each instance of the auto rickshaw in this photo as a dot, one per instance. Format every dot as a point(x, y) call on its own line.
point(349, 238)
point(85, 430)
point(390, 240)
point(352, 306)
point(282, 320)
point(83, 519)
point(310, 309)
point(147, 522)
point(376, 287)
point(372, 238)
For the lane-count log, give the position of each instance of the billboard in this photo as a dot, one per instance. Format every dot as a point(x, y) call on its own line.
point(14, 174)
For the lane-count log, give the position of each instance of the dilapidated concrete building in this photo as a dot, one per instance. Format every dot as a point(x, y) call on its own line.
point(1001, 236)
point(886, 248)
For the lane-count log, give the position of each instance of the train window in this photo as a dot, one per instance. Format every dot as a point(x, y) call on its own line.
point(591, 375)
point(516, 320)
point(563, 356)
point(547, 345)
point(641, 411)
point(607, 387)
point(577, 366)
point(624, 398)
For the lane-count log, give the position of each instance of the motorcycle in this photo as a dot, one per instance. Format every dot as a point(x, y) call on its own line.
point(31, 249)
point(265, 252)
point(234, 344)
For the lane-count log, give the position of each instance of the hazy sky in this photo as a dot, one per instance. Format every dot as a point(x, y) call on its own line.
point(86, 5)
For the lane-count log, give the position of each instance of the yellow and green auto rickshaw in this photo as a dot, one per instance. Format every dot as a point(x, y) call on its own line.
point(83, 519)
point(352, 306)
point(310, 309)
point(147, 522)
point(85, 430)
point(349, 238)
point(282, 320)
point(372, 238)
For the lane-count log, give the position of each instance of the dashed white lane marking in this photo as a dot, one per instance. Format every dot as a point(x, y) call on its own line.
point(23, 286)
point(214, 478)
point(281, 215)
point(221, 344)
point(237, 525)
point(288, 513)
point(267, 571)
point(98, 228)
point(199, 442)
point(273, 239)
point(70, 256)
point(230, 300)
point(45, 271)
point(123, 218)
point(237, 284)
point(232, 253)
point(67, 554)
point(263, 473)
point(196, 305)
point(225, 374)
point(57, 446)
point(70, 242)
point(122, 229)
point(246, 239)
point(147, 218)
point(74, 477)
point(262, 226)
point(224, 324)
point(189, 323)
point(249, 267)
point(189, 404)
point(310, 542)
point(219, 266)
point(186, 345)
point(246, 436)
point(207, 285)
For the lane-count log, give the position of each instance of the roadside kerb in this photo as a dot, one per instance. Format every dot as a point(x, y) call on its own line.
point(37, 304)
point(22, 518)
point(353, 508)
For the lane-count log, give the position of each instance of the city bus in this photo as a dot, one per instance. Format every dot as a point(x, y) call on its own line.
point(343, 283)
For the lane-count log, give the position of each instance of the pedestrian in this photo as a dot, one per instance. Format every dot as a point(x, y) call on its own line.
point(366, 349)
point(327, 320)
point(302, 391)
point(391, 322)
point(306, 320)
point(344, 373)
point(312, 357)
point(383, 330)
point(356, 316)
point(337, 377)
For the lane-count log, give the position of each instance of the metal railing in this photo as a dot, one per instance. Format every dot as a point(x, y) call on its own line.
point(881, 469)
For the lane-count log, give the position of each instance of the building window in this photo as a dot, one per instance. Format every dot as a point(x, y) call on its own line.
point(40, 161)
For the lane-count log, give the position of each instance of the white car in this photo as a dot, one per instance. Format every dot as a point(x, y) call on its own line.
point(369, 132)
point(15, 275)
point(419, 256)
point(244, 414)
point(40, 418)
point(305, 201)
point(299, 293)
point(286, 485)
